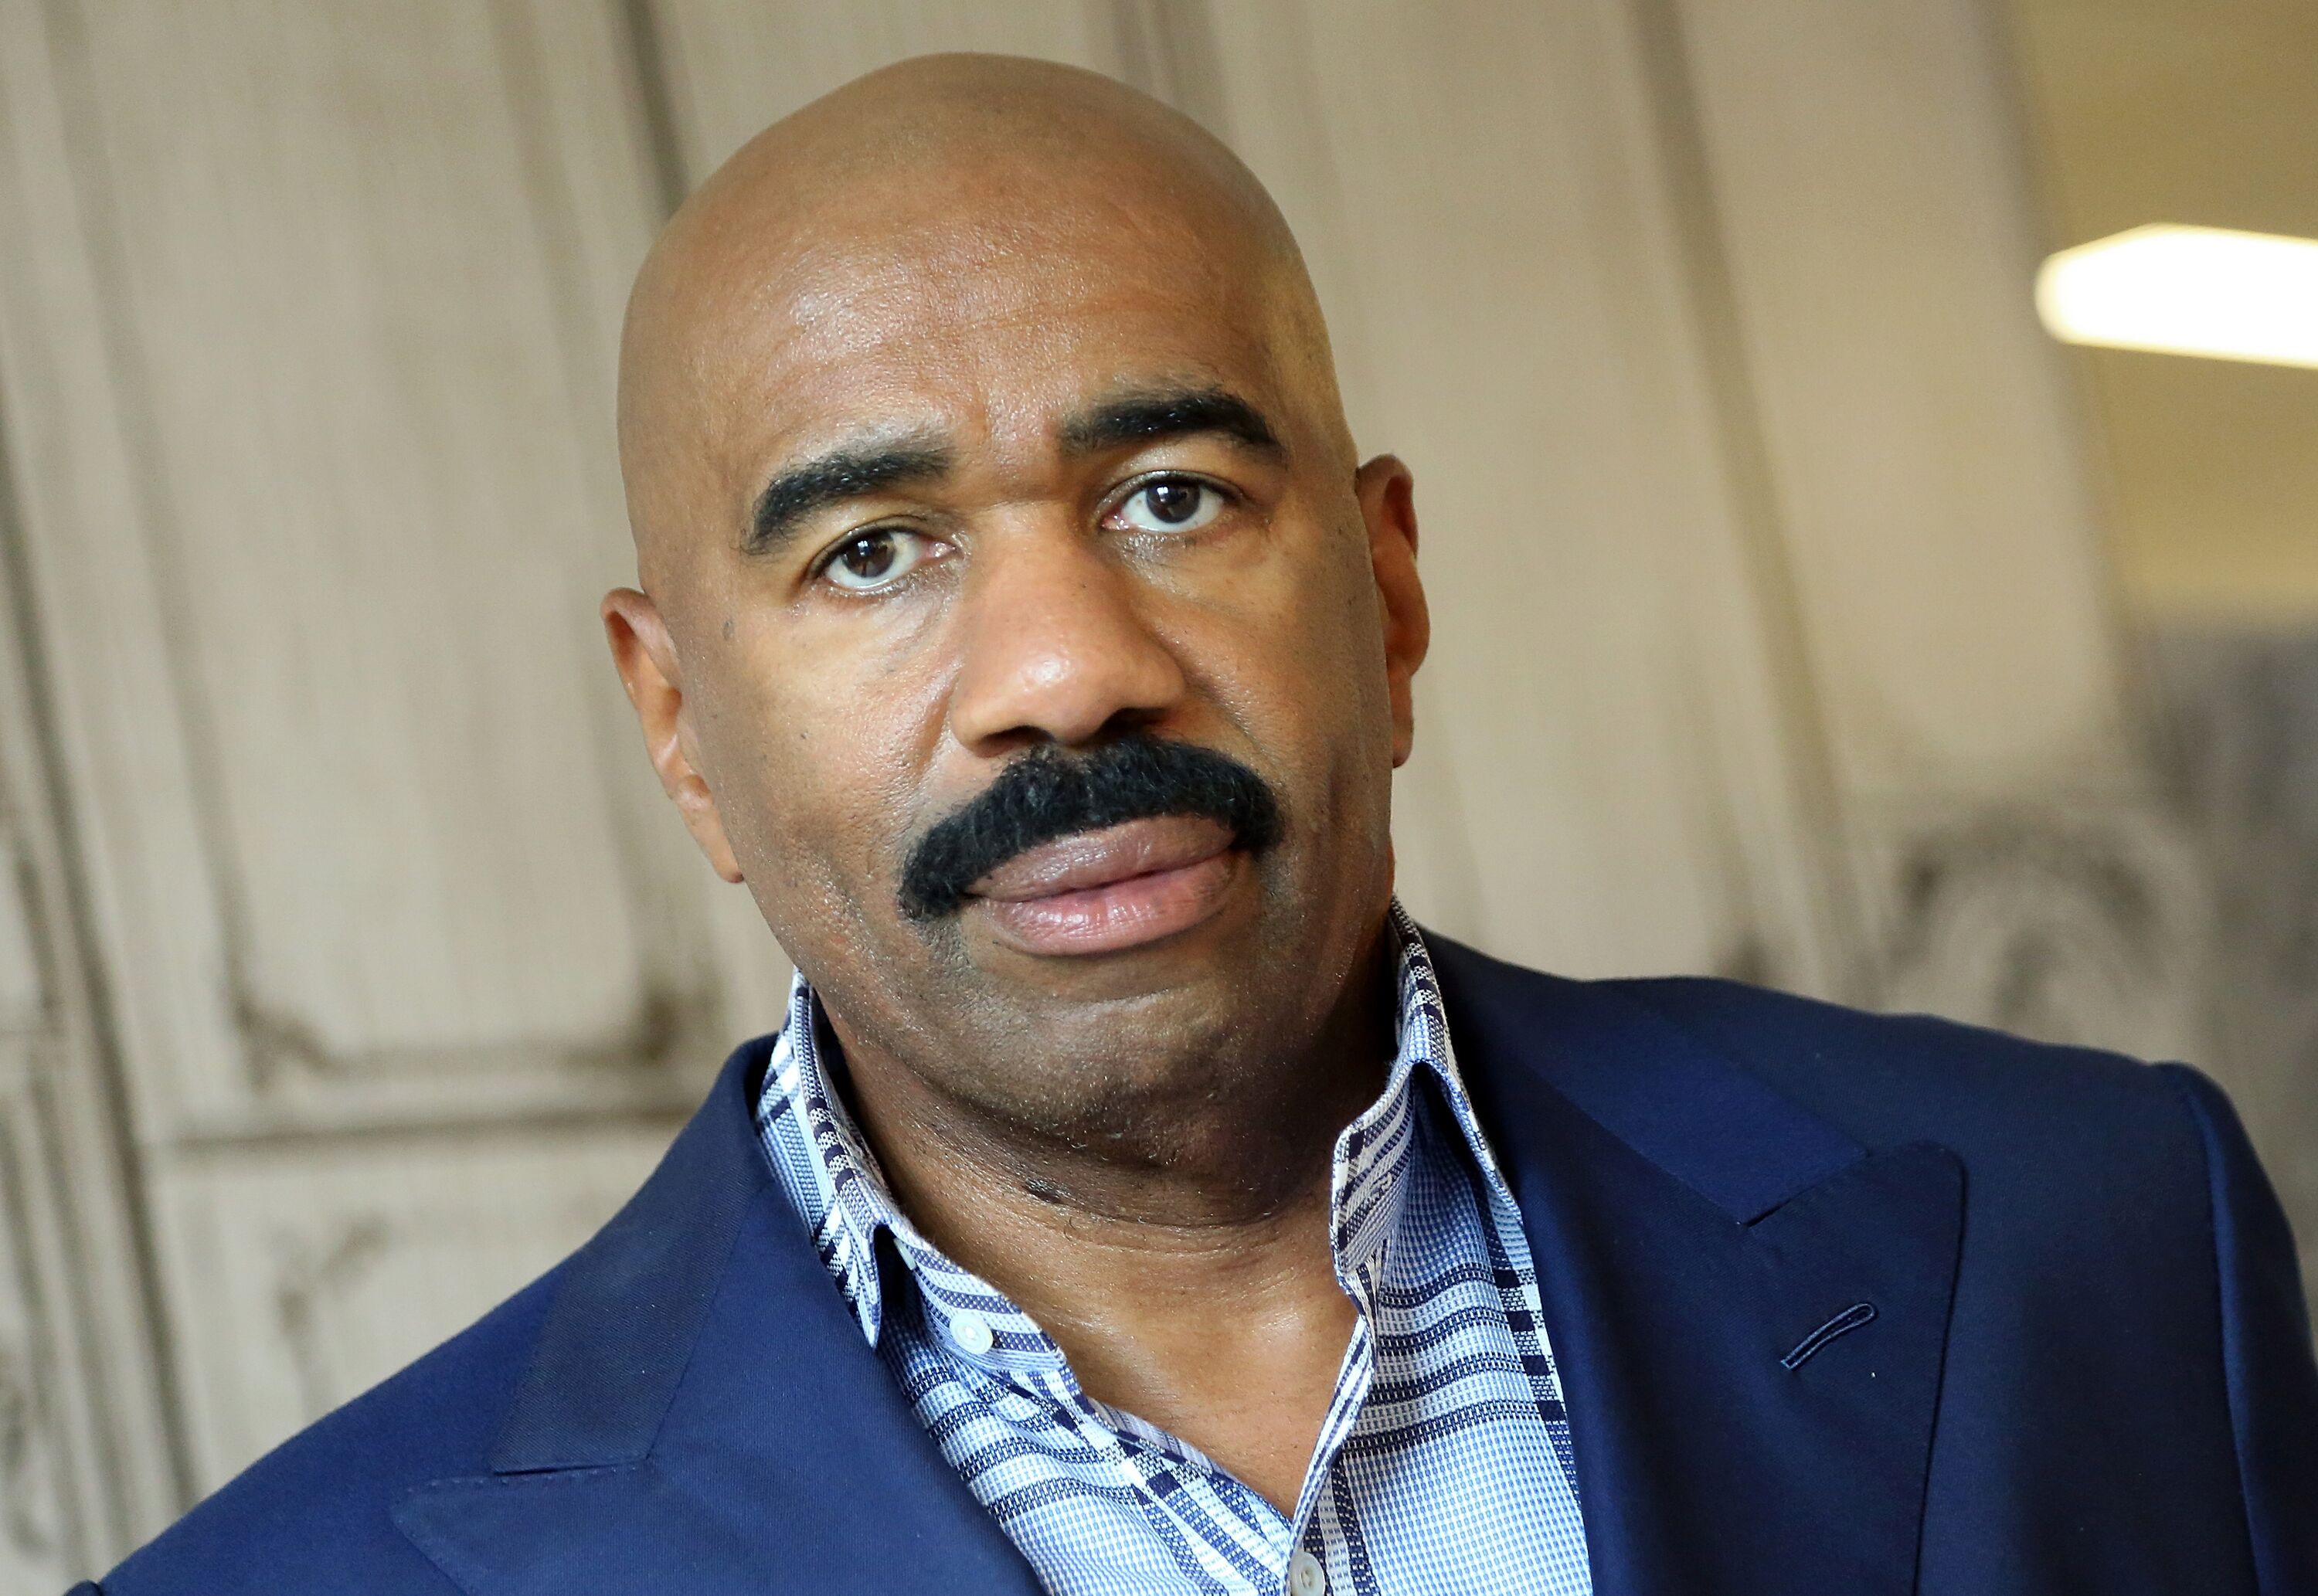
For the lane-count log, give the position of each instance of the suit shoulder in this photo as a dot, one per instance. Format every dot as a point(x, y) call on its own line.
point(1800, 1035)
point(1885, 1079)
point(1996, 1099)
point(1797, 1042)
point(313, 1516)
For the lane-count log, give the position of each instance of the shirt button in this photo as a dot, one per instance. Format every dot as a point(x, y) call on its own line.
point(974, 1336)
point(1304, 1575)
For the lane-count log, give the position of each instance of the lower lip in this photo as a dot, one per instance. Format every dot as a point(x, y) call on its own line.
point(1118, 914)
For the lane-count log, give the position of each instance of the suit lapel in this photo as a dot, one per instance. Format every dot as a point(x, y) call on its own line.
point(702, 1414)
point(1748, 1309)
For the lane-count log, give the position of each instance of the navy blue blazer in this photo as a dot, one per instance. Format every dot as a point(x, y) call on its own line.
point(1842, 1303)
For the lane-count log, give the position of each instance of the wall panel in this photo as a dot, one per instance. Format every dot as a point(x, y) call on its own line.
point(1939, 522)
point(308, 1260)
point(87, 1461)
point(306, 390)
point(426, 881)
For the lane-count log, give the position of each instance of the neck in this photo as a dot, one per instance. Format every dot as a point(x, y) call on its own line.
point(1176, 1286)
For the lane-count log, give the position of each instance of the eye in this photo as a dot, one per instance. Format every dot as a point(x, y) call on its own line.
point(1171, 504)
point(878, 557)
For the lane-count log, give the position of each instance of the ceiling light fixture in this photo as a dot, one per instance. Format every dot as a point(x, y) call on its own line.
point(2188, 291)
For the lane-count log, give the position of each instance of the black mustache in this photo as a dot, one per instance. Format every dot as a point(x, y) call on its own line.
point(1045, 794)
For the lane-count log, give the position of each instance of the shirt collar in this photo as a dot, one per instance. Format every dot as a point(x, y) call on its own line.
point(833, 1179)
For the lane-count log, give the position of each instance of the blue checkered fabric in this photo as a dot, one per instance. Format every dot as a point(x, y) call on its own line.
point(1443, 1464)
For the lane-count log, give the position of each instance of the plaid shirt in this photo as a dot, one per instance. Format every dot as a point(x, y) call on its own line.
point(1443, 1464)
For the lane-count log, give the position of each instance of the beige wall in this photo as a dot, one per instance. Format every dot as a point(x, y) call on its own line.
point(355, 968)
point(2200, 111)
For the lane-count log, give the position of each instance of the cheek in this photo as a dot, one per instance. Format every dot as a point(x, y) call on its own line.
point(1292, 652)
point(829, 756)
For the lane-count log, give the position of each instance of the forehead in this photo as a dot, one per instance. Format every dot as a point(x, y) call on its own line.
point(990, 328)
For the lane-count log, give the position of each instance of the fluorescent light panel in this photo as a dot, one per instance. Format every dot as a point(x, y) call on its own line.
point(2188, 291)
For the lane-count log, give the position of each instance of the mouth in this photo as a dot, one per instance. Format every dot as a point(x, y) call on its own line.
point(1120, 887)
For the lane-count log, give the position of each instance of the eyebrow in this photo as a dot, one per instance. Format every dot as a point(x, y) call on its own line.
point(850, 471)
point(855, 471)
point(1146, 415)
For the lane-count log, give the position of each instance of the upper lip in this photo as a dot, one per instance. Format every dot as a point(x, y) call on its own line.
point(1098, 858)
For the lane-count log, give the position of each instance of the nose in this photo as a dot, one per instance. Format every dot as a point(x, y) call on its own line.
point(1055, 648)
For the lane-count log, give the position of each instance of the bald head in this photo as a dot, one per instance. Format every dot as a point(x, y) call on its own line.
point(964, 170)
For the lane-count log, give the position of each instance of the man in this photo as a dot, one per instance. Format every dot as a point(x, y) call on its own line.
point(1135, 1200)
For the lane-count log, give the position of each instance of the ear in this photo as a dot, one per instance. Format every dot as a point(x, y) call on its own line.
point(646, 658)
point(1388, 496)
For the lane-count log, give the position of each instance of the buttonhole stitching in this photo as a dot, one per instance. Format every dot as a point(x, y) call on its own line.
point(1842, 1323)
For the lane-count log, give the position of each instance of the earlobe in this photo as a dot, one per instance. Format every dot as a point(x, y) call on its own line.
point(645, 656)
point(1388, 497)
